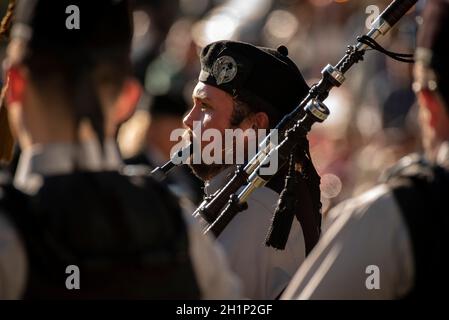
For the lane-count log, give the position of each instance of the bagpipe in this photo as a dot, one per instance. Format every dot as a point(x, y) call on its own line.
point(302, 181)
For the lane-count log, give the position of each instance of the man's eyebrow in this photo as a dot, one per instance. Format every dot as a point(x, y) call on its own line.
point(200, 95)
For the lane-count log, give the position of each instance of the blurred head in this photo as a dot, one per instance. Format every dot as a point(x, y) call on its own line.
point(431, 75)
point(242, 86)
point(166, 113)
point(68, 70)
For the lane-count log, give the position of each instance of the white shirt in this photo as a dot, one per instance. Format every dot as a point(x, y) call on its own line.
point(264, 271)
point(365, 231)
point(214, 277)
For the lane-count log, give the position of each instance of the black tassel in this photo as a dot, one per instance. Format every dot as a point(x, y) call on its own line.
point(308, 192)
point(283, 216)
point(301, 198)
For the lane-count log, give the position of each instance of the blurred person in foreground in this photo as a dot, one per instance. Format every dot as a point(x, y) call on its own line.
point(69, 204)
point(390, 242)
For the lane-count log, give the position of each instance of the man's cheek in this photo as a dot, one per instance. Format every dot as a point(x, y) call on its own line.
point(207, 121)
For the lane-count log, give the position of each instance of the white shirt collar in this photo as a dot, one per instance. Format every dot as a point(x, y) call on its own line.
point(61, 158)
point(442, 158)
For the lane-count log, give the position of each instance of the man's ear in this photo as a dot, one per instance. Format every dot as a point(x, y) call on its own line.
point(16, 86)
point(261, 120)
point(127, 100)
point(431, 103)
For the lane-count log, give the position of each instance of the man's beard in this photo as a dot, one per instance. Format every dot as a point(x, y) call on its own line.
point(207, 171)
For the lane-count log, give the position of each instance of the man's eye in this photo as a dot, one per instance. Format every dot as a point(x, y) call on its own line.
point(205, 107)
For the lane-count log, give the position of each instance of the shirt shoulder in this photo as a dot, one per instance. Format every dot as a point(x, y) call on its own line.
point(360, 233)
point(378, 201)
point(265, 198)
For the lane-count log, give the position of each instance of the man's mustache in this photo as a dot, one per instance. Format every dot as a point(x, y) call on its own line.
point(191, 136)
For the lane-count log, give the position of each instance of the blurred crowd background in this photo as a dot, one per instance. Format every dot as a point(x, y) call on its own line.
point(373, 115)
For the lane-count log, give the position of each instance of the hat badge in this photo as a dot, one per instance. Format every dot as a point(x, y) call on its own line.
point(224, 69)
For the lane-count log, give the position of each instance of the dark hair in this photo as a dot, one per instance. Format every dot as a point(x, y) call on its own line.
point(76, 78)
point(247, 104)
point(51, 71)
point(239, 113)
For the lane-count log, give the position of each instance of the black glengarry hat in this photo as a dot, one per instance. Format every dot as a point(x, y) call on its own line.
point(254, 73)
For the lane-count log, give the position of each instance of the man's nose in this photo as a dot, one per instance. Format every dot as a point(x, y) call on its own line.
point(190, 117)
